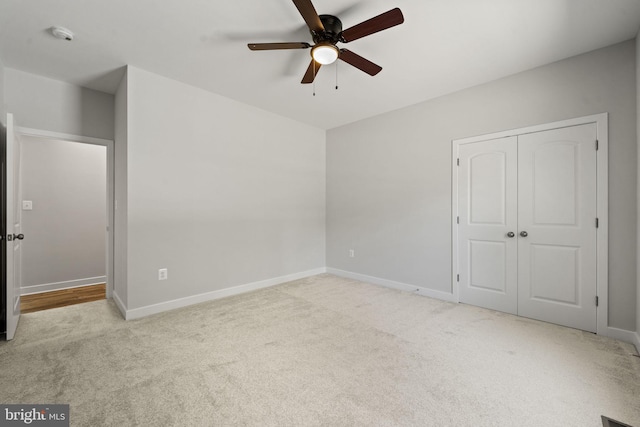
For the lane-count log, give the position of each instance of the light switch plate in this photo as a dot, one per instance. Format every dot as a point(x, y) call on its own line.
point(27, 205)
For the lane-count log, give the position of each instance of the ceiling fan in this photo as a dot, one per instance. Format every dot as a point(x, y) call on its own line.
point(326, 31)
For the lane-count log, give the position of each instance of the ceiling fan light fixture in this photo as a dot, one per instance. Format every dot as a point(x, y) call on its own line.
point(326, 32)
point(324, 53)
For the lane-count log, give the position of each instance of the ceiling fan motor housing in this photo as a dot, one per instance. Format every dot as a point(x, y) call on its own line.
point(332, 30)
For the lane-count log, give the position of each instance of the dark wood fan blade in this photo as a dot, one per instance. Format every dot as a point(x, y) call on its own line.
point(378, 23)
point(311, 73)
point(275, 46)
point(359, 62)
point(309, 14)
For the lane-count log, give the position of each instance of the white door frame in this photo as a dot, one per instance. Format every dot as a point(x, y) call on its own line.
point(110, 185)
point(602, 196)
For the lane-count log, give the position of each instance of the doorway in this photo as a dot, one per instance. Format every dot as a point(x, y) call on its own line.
point(528, 237)
point(66, 204)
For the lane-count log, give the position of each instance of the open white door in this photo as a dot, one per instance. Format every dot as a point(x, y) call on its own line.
point(14, 229)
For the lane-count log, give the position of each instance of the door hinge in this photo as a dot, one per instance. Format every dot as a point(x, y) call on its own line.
point(597, 145)
point(597, 300)
point(597, 222)
point(458, 161)
point(457, 220)
point(458, 278)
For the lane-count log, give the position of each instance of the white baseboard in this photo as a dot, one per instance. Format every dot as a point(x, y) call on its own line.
point(46, 287)
point(624, 335)
point(445, 296)
point(148, 310)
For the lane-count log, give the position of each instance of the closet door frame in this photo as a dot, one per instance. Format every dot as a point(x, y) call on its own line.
point(602, 197)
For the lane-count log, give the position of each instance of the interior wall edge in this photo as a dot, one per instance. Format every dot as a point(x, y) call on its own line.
point(638, 188)
point(121, 306)
point(120, 221)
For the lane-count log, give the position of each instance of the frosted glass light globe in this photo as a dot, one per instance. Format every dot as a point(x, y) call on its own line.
point(324, 53)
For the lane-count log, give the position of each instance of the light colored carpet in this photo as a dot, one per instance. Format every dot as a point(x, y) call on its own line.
point(318, 351)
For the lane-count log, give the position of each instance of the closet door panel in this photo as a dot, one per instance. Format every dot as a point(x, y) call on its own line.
point(487, 206)
point(557, 231)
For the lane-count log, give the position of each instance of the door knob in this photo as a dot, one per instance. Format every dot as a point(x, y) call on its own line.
point(511, 234)
point(11, 237)
point(524, 233)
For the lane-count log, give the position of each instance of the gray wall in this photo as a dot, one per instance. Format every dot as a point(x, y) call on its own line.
point(389, 177)
point(3, 109)
point(45, 104)
point(66, 181)
point(218, 192)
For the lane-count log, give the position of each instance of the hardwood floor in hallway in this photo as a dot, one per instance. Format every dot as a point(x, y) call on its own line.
point(62, 298)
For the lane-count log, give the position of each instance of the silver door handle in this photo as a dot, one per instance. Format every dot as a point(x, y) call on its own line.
point(524, 233)
point(511, 234)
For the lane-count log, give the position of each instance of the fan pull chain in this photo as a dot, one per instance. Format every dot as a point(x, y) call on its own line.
point(314, 77)
point(336, 75)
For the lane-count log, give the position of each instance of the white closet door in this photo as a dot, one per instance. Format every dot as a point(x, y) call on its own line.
point(557, 230)
point(487, 206)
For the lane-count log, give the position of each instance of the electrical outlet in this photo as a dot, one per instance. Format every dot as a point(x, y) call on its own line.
point(163, 274)
point(352, 253)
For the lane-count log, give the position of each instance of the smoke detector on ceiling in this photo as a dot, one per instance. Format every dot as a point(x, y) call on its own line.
point(62, 33)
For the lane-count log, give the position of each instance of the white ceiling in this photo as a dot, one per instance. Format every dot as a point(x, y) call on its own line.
point(443, 46)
